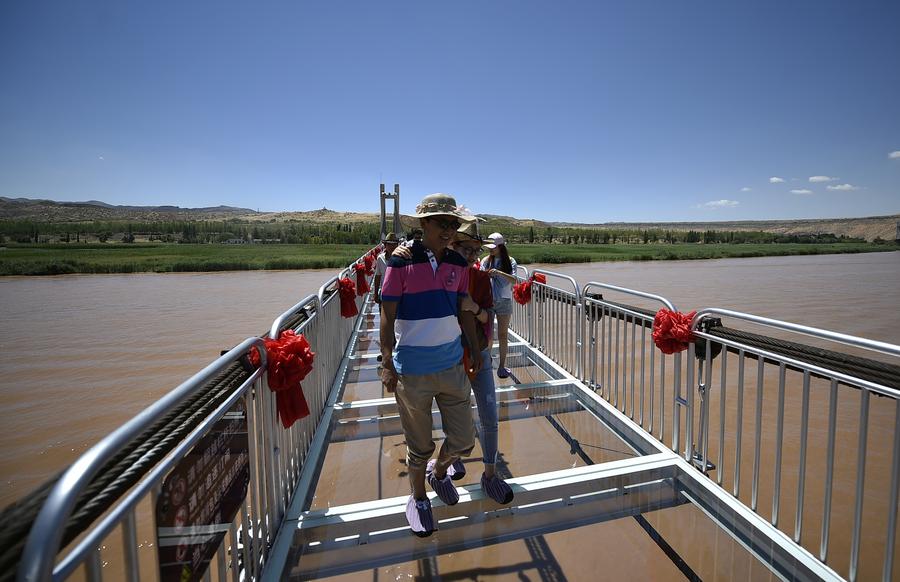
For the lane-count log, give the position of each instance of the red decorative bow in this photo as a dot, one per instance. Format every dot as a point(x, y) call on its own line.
point(362, 285)
point(289, 360)
point(369, 260)
point(347, 291)
point(522, 291)
point(672, 330)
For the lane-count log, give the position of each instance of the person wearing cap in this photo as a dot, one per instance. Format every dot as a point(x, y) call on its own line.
point(502, 269)
point(421, 348)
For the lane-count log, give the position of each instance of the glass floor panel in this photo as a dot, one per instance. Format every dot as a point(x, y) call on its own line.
point(536, 436)
point(620, 549)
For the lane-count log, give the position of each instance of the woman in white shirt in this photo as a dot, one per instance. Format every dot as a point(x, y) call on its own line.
point(502, 268)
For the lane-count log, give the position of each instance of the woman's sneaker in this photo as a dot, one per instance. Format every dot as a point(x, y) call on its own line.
point(456, 470)
point(503, 372)
point(497, 489)
point(444, 488)
point(419, 516)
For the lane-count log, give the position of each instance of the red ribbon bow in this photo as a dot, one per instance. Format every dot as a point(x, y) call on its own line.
point(672, 330)
point(362, 285)
point(289, 360)
point(369, 260)
point(522, 291)
point(347, 291)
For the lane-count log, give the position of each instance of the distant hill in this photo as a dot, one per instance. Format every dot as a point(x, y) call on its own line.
point(51, 211)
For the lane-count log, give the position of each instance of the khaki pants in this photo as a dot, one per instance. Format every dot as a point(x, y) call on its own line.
point(414, 395)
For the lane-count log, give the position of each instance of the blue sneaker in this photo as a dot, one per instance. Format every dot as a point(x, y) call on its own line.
point(419, 516)
point(443, 487)
point(497, 489)
point(503, 372)
point(456, 470)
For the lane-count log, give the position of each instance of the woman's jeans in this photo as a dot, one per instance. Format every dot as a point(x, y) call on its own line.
point(486, 400)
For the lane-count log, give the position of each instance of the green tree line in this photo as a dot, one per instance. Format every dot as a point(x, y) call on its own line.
point(30, 231)
point(295, 232)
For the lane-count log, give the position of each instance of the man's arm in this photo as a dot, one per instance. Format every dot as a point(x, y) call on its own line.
point(467, 323)
point(376, 285)
point(387, 339)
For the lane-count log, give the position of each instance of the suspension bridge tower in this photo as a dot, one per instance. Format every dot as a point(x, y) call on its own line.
point(395, 196)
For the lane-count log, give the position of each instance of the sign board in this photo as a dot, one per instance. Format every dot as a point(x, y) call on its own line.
point(200, 498)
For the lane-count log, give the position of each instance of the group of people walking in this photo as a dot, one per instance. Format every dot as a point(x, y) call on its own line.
point(438, 304)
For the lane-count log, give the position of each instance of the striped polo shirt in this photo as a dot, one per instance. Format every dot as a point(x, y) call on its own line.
point(427, 328)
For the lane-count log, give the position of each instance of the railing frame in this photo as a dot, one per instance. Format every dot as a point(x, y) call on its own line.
point(46, 534)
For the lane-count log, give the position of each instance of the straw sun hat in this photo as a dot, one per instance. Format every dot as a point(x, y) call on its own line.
point(469, 231)
point(441, 205)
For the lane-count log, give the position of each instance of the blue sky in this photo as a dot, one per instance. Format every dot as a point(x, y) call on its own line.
point(577, 111)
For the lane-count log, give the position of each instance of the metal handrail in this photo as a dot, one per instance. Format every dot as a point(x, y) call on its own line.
point(859, 342)
point(562, 276)
point(627, 291)
point(328, 283)
point(38, 560)
point(275, 330)
point(92, 539)
point(47, 531)
point(807, 369)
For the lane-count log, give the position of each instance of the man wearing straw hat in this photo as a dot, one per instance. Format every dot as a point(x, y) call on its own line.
point(420, 347)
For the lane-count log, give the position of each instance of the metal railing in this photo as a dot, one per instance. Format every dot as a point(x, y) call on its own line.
point(797, 384)
point(557, 320)
point(275, 456)
point(608, 346)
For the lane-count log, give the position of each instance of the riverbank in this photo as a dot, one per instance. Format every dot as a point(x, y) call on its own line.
point(165, 258)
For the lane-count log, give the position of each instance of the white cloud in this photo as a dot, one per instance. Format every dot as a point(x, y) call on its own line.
point(99, 157)
point(746, 189)
point(821, 179)
point(776, 180)
point(843, 187)
point(719, 204)
point(894, 155)
point(802, 191)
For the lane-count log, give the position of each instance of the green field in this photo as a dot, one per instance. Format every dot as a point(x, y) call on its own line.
point(543, 253)
point(166, 258)
point(170, 258)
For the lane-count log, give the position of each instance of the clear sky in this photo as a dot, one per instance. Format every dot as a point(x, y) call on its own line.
point(578, 111)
